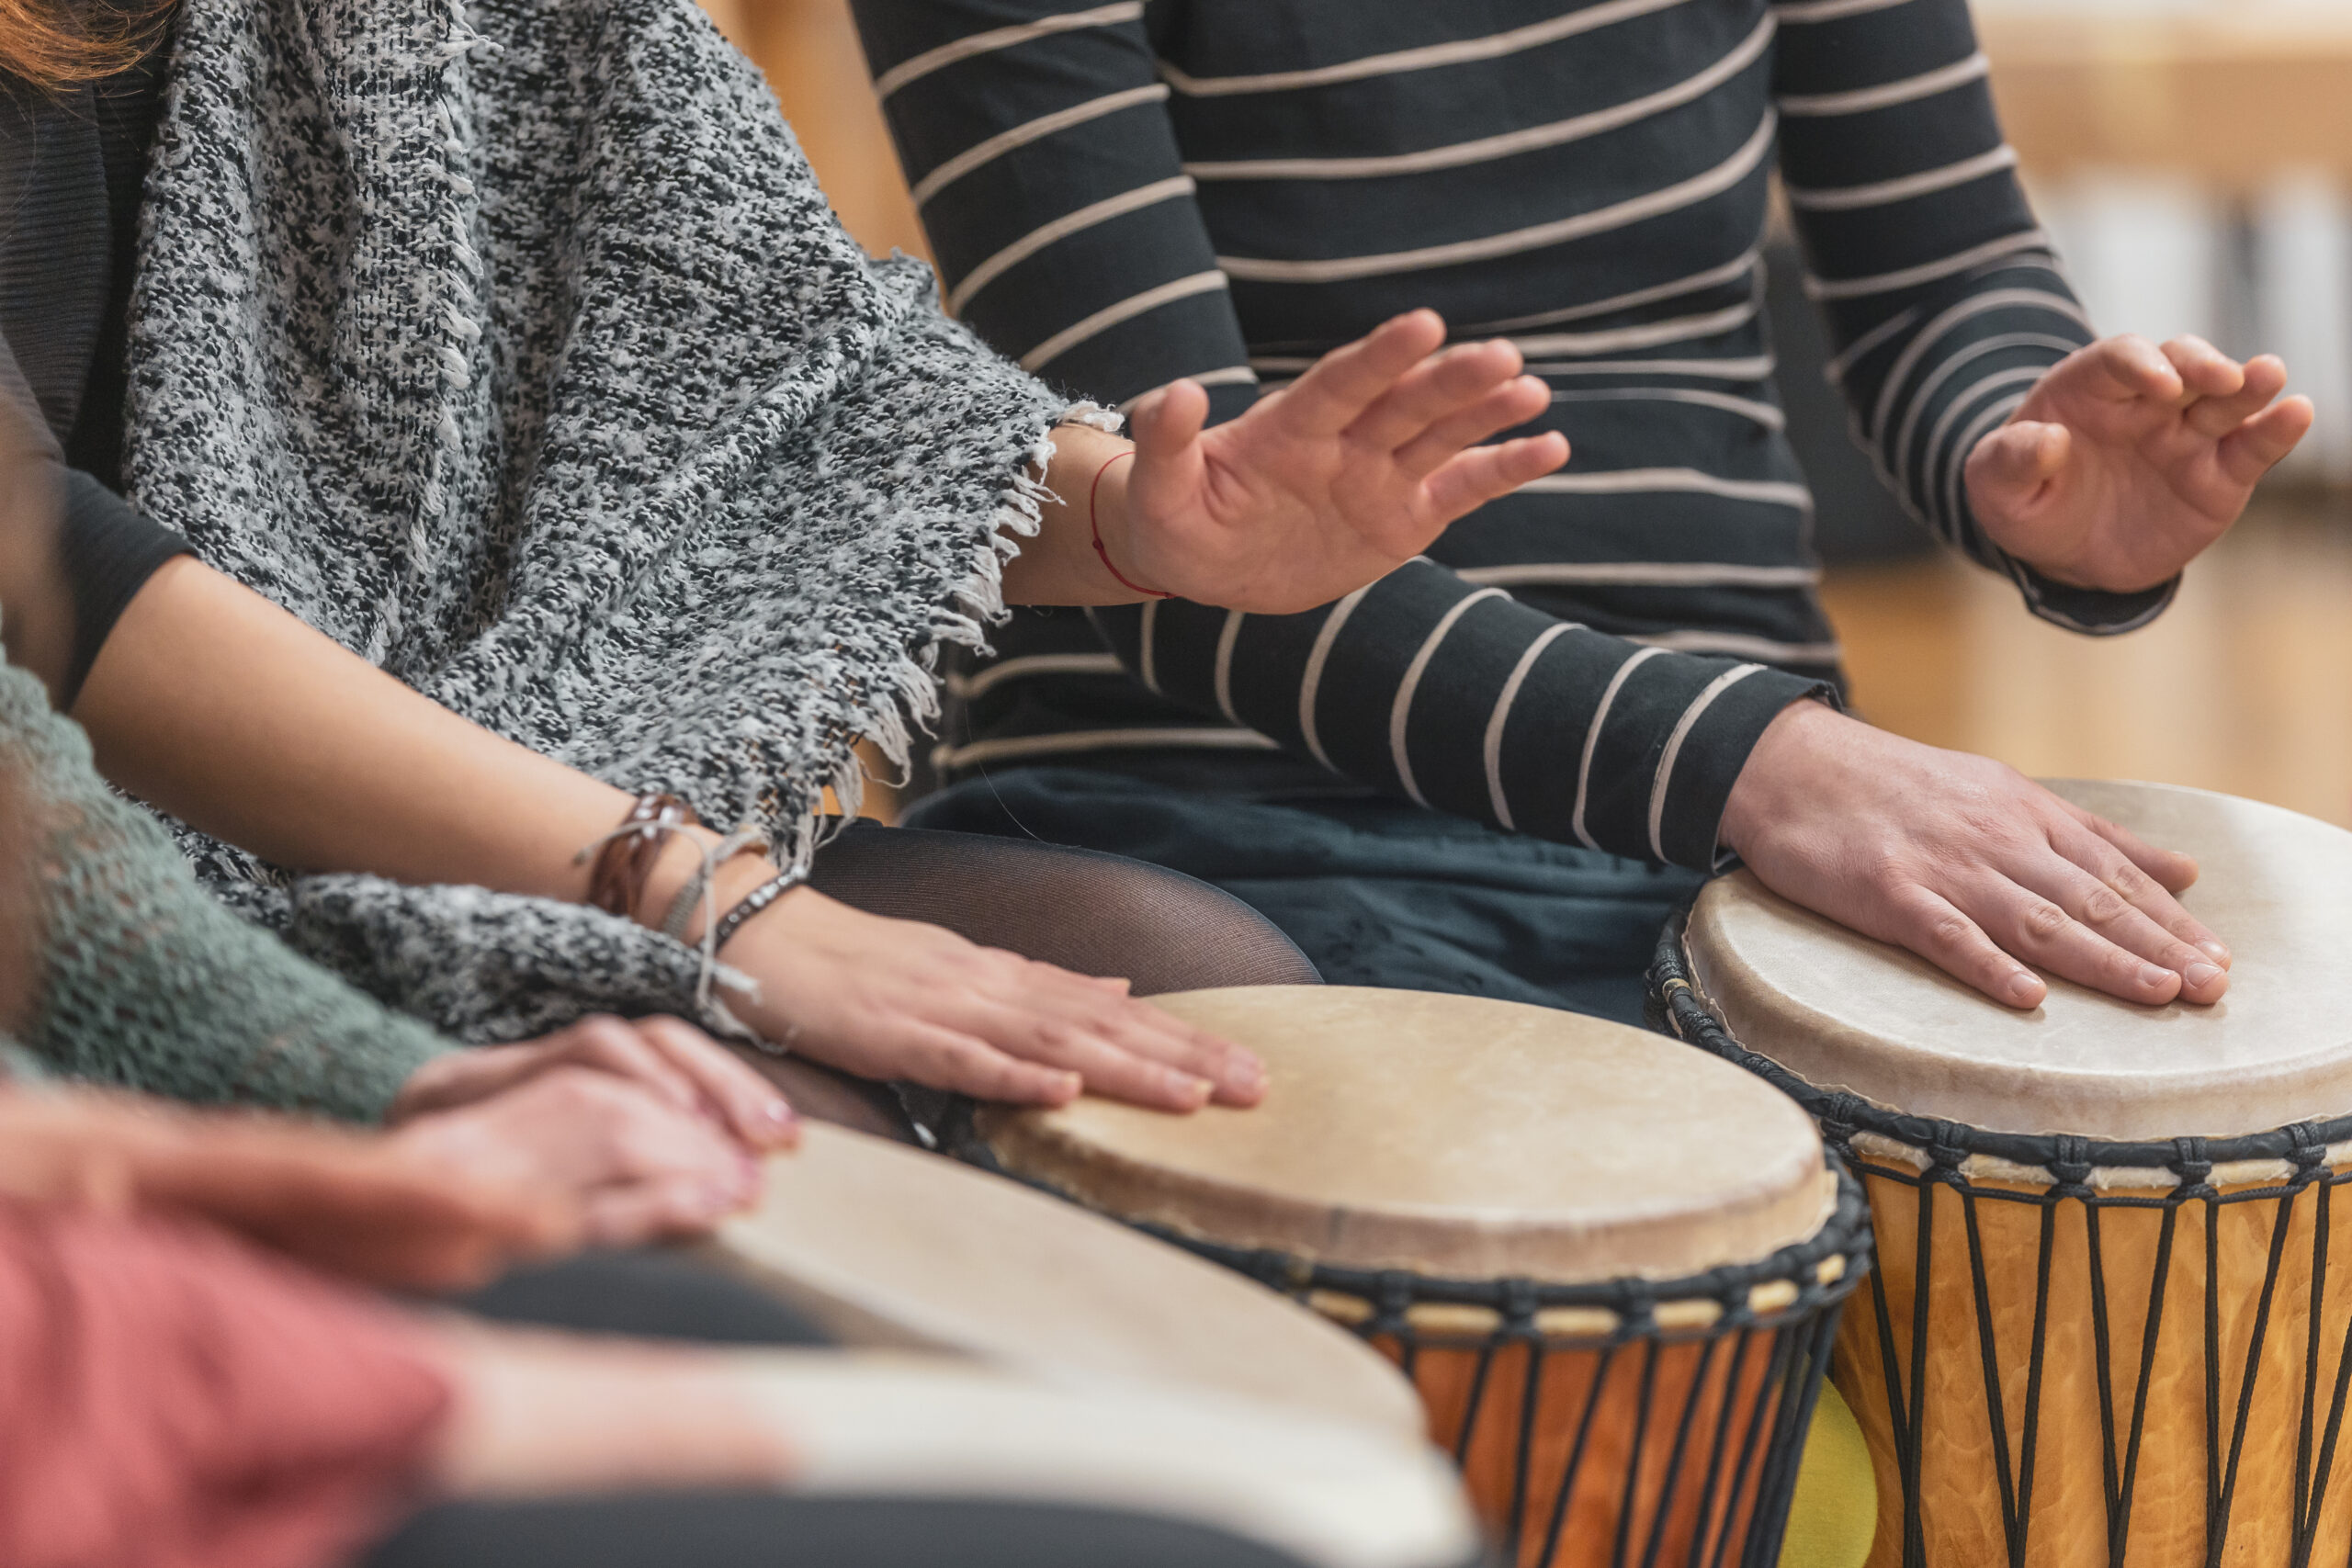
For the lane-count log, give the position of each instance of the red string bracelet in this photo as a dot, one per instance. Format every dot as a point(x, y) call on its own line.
point(1095, 526)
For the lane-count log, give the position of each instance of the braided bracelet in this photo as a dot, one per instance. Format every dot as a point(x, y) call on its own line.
point(758, 899)
point(1094, 526)
point(626, 856)
point(698, 889)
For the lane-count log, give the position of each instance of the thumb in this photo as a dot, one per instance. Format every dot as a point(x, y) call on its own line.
point(1168, 420)
point(1167, 428)
point(2010, 466)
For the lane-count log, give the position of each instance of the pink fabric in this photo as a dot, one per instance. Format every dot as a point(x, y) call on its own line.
point(170, 1398)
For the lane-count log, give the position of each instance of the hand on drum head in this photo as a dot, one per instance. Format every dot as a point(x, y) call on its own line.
point(888, 998)
point(670, 1059)
point(1966, 863)
point(2126, 459)
point(359, 1205)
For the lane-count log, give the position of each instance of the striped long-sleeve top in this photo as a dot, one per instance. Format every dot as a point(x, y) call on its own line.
point(1121, 194)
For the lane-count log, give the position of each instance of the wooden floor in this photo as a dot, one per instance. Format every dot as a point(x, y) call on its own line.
point(2244, 685)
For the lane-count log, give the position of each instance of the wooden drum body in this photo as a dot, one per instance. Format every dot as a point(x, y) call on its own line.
point(1612, 1279)
point(2111, 1318)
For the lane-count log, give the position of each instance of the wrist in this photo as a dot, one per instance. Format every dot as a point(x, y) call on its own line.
point(680, 861)
point(1112, 522)
point(1805, 729)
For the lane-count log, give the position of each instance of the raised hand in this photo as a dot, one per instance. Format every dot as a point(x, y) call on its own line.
point(2126, 460)
point(1974, 867)
point(1332, 482)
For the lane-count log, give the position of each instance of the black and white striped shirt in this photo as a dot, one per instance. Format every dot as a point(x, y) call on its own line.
point(1123, 194)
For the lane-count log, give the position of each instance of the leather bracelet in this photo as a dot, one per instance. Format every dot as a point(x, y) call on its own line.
point(758, 899)
point(626, 856)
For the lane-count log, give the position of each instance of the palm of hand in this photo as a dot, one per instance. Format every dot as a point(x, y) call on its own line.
point(2125, 461)
point(1259, 501)
point(1335, 480)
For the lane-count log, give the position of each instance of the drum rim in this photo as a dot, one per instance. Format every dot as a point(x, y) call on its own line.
point(2071, 1158)
point(1844, 1236)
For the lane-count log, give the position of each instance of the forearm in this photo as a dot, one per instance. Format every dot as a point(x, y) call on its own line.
point(1086, 492)
point(217, 707)
point(1468, 702)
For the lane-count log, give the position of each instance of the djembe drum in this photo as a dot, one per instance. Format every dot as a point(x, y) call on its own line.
point(2112, 1309)
point(1611, 1267)
point(1301, 1488)
point(887, 1247)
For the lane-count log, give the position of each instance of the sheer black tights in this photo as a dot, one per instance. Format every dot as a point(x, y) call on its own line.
point(1094, 913)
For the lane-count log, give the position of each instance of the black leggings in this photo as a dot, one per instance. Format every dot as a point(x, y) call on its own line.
point(657, 1296)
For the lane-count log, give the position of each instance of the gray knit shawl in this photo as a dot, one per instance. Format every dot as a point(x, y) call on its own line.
point(516, 349)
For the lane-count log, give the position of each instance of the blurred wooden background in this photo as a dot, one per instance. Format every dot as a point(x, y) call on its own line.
point(2246, 685)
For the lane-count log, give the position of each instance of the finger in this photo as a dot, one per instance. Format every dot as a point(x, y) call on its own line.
point(2039, 930)
point(1438, 387)
point(1236, 1075)
point(2250, 451)
point(1930, 925)
point(2171, 873)
point(2010, 466)
point(2264, 380)
point(1126, 1049)
point(941, 1057)
point(632, 1213)
point(1170, 418)
point(2205, 371)
point(743, 1102)
point(2122, 368)
point(1343, 383)
point(623, 1134)
point(2090, 884)
point(609, 1044)
point(1106, 1069)
point(1472, 478)
point(1514, 402)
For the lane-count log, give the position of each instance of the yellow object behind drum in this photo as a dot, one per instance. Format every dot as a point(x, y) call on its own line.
point(1835, 1511)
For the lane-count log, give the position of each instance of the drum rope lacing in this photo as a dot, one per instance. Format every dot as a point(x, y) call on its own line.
point(1923, 1154)
point(1788, 1303)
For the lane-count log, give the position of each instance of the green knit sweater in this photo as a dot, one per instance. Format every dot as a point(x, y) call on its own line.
point(148, 982)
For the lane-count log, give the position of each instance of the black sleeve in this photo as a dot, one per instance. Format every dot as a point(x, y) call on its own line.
point(108, 550)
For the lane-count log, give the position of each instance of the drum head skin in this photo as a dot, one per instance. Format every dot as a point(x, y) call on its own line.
point(887, 1245)
point(1846, 1012)
point(888, 1425)
point(1453, 1136)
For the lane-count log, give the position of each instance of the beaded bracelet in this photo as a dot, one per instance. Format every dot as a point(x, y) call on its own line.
point(758, 899)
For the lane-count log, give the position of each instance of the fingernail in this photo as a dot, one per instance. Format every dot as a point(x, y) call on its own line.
point(2199, 975)
point(2153, 977)
point(1244, 1075)
point(2023, 988)
point(777, 1114)
point(2216, 952)
point(716, 1200)
point(1184, 1086)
